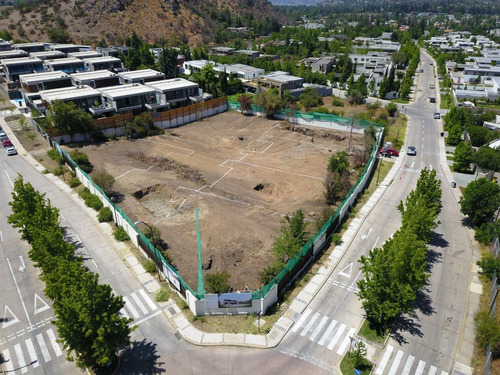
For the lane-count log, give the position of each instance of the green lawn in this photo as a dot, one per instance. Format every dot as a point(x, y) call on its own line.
point(401, 101)
point(371, 334)
point(347, 366)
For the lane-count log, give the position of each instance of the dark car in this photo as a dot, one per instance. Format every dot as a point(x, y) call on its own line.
point(389, 151)
point(412, 150)
point(432, 99)
point(437, 115)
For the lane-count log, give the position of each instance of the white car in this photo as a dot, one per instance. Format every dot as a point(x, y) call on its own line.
point(412, 150)
point(10, 150)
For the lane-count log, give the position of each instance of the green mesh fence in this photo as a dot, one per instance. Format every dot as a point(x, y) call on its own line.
point(158, 255)
point(310, 116)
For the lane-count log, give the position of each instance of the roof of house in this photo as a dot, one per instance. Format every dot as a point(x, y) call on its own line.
point(20, 60)
point(101, 59)
point(63, 61)
point(84, 54)
point(69, 93)
point(47, 54)
point(42, 77)
point(143, 73)
point(14, 52)
point(93, 75)
point(171, 84)
point(123, 91)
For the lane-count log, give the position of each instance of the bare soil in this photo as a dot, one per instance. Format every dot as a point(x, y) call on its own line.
point(242, 173)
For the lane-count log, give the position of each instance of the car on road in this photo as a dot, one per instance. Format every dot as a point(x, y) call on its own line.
point(432, 87)
point(412, 150)
point(10, 150)
point(389, 151)
point(432, 99)
point(6, 142)
point(3, 136)
point(437, 115)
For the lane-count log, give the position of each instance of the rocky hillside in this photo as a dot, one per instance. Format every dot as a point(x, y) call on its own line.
point(88, 21)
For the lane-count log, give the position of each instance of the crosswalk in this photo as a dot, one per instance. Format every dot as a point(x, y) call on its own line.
point(396, 363)
point(324, 331)
point(29, 353)
point(138, 304)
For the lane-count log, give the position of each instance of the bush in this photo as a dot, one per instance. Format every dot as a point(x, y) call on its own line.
point(162, 295)
point(391, 109)
point(58, 171)
point(218, 282)
point(373, 106)
point(149, 266)
point(85, 193)
point(271, 271)
point(104, 180)
point(488, 265)
point(121, 234)
point(54, 155)
point(94, 202)
point(82, 160)
point(74, 182)
point(336, 102)
point(105, 215)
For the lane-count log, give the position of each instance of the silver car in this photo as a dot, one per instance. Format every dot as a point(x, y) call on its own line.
point(10, 150)
point(412, 150)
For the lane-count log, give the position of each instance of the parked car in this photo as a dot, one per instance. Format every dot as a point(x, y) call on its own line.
point(3, 136)
point(10, 150)
point(432, 99)
point(412, 150)
point(432, 87)
point(437, 115)
point(6, 142)
point(389, 151)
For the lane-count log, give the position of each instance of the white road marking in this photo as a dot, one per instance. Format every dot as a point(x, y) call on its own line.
point(346, 341)
point(7, 320)
point(318, 328)
point(139, 303)
point(19, 293)
point(20, 358)
point(43, 347)
point(147, 318)
point(385, 359)
point(346, 273)
point(328, 332)
point(420, 368)
point(310, 324)
point(396, 363)
point(432, 370)
point(444, 373)
point(375, 244)
point(336, 337)
point(301, 320)
point(412, 164)
point(45, 305)
point(54, 343)
point(32, 353)
point(150, 303)
point(408, 364)
point(8, 361)
point(131, 308)
point(124, 313)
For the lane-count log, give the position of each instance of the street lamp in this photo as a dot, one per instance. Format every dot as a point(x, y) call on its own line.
point(154, 247)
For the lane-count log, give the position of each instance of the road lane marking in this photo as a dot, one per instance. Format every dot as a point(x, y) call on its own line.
point(124, 313)
point(43, 348)
point(19, 293)
point(346, 271)
point(328, 332)
point(53, 342)
point(137, 300)
point(39, 300)
point(8, 361)
point(408, 364)
point(444, 373)
point(432, 370)
point(7, 321)
point(396, 363)
point(310, 324)
point(150, 303)
point(32, 353)
point(301, 320)
point(420, 368)
point(20, 358)
point(346, 341)
point(385, 359)
point(147, 318)
point(131, 308)
point(318, 328)
point(375, 244)
point(336, 337)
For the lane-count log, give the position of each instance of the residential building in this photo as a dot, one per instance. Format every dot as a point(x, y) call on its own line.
point(113, 51)
point(36, 82)
point(29, 47)
point(84, 97)
point(67, 48)
point(113, 64)
point(13, 54)
point(222, 50)
point(248, 53)
point(13, 68)
point(84, 54)
point(5, 46)
point(322, 64)
point(140, 76)
point(134, 98)
point(195, 66)
point(177, 92)
point(97, 79)
point(67, 65)
point(240, 71)
point(282, 81)
point(48, 55)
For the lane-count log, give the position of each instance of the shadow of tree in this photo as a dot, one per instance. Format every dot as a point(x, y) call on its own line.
point(424, 303)
point(141, 358)
point(69, 238)
point(405, 323)
point(438, 241)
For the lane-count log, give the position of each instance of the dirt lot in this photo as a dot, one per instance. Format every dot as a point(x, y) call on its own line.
point(243, 173)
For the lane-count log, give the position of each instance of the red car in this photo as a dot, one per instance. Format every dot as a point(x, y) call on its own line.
point(6, 142)
point(389, 151)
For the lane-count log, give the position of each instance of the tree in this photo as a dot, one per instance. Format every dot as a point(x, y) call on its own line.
point(168, 62)
point(310, 98)
point(245, 103)
point(384, 88)
point(218, 282)
point(339, 162)
point(270, 101)
point(463, 157)
point(82, 160)
point(67, 118)
point(104, 180)
point(391, 109)
point(359, 353)
point(455, 135)
point(488, 158)
point(293, 235)
point(480, 200)
point(336, 186)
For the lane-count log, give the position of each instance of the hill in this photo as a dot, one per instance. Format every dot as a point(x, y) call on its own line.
point(89, 21)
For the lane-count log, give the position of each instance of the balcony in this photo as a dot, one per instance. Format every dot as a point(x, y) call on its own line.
point(101, 110)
